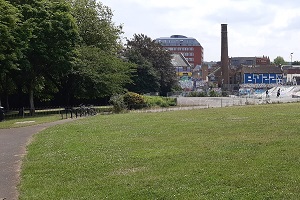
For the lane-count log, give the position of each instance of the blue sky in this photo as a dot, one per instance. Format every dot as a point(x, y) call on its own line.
point(255, 27)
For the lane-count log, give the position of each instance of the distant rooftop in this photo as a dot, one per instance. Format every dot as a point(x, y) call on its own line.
point(178, 60)
point(178, 40)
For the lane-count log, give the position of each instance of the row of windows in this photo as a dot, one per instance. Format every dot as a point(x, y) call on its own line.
point(177, 41)
point(180, 48)
point(245, 62)
point(181, 45)
point(190, 59)
point(183, 69)
point(188, 54)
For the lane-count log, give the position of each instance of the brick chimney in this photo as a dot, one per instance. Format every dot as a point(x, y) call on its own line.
point(224, 56)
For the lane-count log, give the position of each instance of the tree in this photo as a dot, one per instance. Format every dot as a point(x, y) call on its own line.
point(159, 58)
point(69, 49)
point(51, 36)
point(9, 47)
point(279, 61)
point(95, 24)
point(99, 74)
point(98, 70)
point(145, 77)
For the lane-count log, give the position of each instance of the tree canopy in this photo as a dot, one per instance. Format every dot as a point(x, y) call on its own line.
point(51, 35)
point(62, 49)
point(95, 24)
point(66, 51)
point(99, 71)
point(155, 71)
point(279, 61)
point(9, 48)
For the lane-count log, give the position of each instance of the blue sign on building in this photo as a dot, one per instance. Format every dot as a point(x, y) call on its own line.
point(262, 78)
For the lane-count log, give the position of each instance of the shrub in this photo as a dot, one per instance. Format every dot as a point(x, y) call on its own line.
point(225, 94)
point(134, 100)
point(171, 101)
point(153, 100)
point(160, 101)
point(213, 93)
point(118, 103)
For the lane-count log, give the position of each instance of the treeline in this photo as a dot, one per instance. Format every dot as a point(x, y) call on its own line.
point(65, 51)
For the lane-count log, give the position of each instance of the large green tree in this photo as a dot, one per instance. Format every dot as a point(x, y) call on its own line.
point(67, 49)
point(145, 77)
point(96, 27)
point(9, 47)
point(99, 71)
point(99, 74)
point(51, 38)
point(160, 60)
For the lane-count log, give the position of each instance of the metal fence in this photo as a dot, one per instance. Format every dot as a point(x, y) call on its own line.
point(190, 103)
point(64, 112)
point(210, 102)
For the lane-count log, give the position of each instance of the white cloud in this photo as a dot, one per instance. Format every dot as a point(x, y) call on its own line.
point(255, 28)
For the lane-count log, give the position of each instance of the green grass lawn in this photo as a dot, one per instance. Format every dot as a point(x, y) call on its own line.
point(249, 152)
point(28, 121)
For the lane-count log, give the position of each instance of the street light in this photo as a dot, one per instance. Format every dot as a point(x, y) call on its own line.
point(292, 59)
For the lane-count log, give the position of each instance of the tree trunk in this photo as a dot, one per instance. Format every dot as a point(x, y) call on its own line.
point(7, 103)
point(6, 93)
point(31, 100)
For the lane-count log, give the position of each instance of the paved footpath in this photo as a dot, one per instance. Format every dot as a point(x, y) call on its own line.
point(12, 149)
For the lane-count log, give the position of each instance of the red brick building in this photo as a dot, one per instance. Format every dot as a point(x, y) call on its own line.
point(250, 61)
point(189, 47)
point(265, 60)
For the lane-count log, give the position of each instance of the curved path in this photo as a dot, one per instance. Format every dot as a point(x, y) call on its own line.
point(12, 149)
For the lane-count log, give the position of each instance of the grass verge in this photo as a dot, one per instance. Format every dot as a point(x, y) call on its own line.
point(224, 153)
point(28, 121)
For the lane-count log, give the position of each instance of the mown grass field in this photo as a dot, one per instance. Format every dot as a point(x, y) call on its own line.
point(28, 121)
point(249, 152)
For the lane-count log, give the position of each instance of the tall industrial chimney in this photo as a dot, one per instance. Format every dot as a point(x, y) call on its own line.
point(224, 55)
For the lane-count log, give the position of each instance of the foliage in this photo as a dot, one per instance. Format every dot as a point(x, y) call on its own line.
point(10, 47)
point(219, 153)
point(131, 100)
point(95, 24)
point(153, 101)
point(161, 71)
point(279, 61)
point(117, 101)
point(145, 78)
point(134, 100)
point(99, 74)
point(50, 35)
point(197, 94)
point(62, 49)
point(213, 93)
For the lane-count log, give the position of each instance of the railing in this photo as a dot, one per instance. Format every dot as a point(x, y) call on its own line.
point(65, 112)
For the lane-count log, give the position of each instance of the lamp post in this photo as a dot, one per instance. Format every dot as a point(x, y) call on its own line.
point(292, 59)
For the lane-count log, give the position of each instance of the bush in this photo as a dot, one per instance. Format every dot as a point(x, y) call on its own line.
point(192, 94)
point(197, 94)
point(225, 93)
point(118, 103)
point(171, 101)
point(213, 93)
point(160, 101)
point(134, 100)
